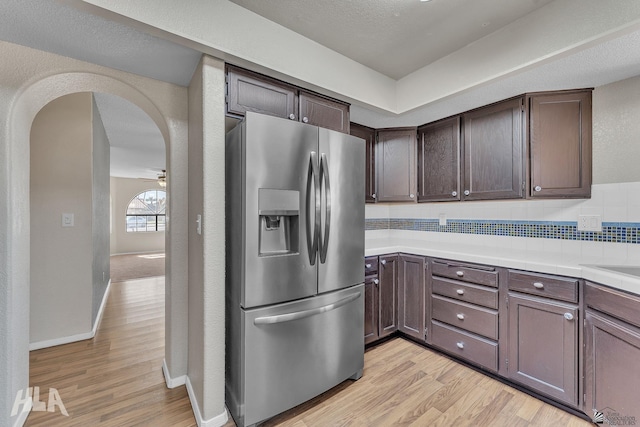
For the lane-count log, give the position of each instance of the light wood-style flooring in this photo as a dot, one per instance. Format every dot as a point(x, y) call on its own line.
point(116, 380)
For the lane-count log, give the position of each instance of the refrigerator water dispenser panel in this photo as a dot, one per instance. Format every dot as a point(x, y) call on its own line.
point(278, 213)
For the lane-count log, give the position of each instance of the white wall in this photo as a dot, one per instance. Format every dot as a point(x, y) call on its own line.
point(616, 132)
point(61, 181)
point(207, 251)
point(28, 82)
point(100, 210)
point(122, 191)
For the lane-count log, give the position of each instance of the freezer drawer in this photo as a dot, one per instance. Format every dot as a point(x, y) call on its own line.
point(296, 351)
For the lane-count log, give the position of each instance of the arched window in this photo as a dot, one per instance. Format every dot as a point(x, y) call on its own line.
point(146, 211)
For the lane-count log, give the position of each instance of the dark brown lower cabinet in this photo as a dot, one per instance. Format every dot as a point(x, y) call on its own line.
point(411, 291)
point(371, 309)
point(388, 302)
point(543, 346)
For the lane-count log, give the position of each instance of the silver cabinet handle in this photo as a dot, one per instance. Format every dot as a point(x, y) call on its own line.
point(460, 316)
point(292, 116)
point(454, 193)
point(460, 291)
point(411, 196)
point(374, 196)
point(376, 281)
point(568, 316)
point(459, 273)
point(289, 317)
point(537, 188)
point(538, 285)
point(460, 345)
point(467, 192)
point(383, 261)
point(305, 120)
point(367, 266)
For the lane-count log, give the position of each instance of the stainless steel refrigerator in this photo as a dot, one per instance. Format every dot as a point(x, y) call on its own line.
point(295, 247)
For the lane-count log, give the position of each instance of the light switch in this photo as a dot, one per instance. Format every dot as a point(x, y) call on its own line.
point(67, 220)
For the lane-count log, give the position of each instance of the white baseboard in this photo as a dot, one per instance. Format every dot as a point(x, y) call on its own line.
point(158, 251)
point(217, 421)
point(172, 382)
point(24, 413)
point(79, 337)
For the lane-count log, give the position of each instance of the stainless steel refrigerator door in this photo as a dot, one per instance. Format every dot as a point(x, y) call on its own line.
point(280, 215)
point(296, 351)
point(341, 240)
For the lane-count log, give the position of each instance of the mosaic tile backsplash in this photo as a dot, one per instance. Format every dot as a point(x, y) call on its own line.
point(614, 232)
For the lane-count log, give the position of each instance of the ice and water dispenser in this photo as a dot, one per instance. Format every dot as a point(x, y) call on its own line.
point(279, 214)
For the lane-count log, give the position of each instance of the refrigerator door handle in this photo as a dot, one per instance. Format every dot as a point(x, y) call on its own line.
point(289, 317)
point(324, 177)
point(312, 234)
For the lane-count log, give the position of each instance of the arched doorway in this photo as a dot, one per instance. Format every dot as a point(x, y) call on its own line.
point(166, 107)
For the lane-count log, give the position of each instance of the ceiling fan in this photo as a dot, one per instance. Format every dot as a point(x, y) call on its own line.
point(161, 180)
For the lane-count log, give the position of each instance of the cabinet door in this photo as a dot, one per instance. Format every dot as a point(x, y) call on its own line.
point(247, 91)
point(326, 113)
point(543, 346)
point(388, 303)
point(560, 143)
point(612, 369)
point(370, 309)
point(411, 291)
point(396, 165)
point(493, 152)
point(439, 161)
point(369, 136)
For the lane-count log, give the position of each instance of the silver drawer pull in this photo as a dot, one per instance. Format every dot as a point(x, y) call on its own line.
point(460, 316)
point(460, 345)
point(376, 281)
point(568, 316)
point(460, 291)
point(538, 285)
point(367, 265)
point(459, 273)
point(383, 261)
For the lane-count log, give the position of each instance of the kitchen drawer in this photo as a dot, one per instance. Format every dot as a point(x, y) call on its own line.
point(481, 295)
point(464, 345)
point(613, 302)
point(370, 265)
point(560, 288)
point(470, 317)
point(468, 273)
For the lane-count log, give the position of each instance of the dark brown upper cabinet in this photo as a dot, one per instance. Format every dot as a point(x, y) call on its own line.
point(395, 155)
point(369, 136)
point(320, 111)
point(560, 144)
point(439, 161)
point(493, 152)
point(249, 91)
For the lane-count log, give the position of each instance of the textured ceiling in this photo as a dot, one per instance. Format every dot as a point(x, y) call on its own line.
point(393, 37)
point(137, 146)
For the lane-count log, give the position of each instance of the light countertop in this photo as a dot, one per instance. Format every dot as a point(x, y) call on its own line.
point(542, 262)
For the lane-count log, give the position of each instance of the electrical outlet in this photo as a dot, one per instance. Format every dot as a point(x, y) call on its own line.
point(442, 219)
point(590, 223)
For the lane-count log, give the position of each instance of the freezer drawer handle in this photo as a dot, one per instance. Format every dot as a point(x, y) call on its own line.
point(312, 234)
point(324, 177)
point(289, 317)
